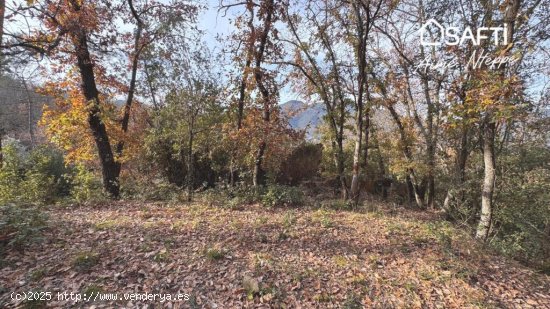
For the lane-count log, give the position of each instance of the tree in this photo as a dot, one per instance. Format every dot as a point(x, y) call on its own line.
point(83, 35)
point(363, 16)
point(324, 82)
point(260, 49)
point(196, 104)
point(2, 130)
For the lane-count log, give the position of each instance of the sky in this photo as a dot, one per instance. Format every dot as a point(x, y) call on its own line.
point(215, 24)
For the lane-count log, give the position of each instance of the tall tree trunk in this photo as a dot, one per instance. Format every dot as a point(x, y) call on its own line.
point(125, 121)
point(337, 103)
point(354, 191)
point(366, 143)
point(461, 163)
point(361, 58)
point(431, 177)
point(2, 11)
point(99, 132)
point(259, 173)
point(457, 192)
point(29, 115)
point(341, 169)
point(246, 69)
point(412, 181)
point(190, 167)
point(242, 88)
point(488, 179)
point(419, 199)
point(1, 150)
point(489, 133)
point(410, 189)
point(267, 97)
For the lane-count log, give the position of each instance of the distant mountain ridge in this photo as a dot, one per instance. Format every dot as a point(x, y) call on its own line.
point(303, 116)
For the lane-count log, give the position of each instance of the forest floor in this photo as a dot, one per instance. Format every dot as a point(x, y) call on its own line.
point(261, 258)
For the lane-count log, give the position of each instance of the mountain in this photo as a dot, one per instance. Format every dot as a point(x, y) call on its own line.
point(303, 116)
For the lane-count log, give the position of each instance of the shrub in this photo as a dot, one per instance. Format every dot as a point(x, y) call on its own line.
point(246, 194)
point(214, 197)
point(302, 164)
point(337, 204)
point(20, 225)
point(150, 189)
point(277, 195)
point(86, 186)
point(34, 178)
point(521, 220)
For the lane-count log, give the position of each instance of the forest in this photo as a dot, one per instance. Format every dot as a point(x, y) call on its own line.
point(274, 154)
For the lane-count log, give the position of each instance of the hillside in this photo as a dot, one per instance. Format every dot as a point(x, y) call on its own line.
point(304, 116)
point(256, 257)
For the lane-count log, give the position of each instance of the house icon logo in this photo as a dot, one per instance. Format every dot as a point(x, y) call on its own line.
point(428, 33)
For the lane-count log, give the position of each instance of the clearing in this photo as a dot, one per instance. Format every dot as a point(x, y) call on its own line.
point(265, 258)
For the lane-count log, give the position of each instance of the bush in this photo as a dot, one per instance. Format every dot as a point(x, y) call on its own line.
point(35, 178)
point(302, 164)
point(20, 225)
point(246, 195)
point(522, 210)
point(148, 189)
point(232, 197)
point(338, 204)
point(86, 186)
point(277, 195)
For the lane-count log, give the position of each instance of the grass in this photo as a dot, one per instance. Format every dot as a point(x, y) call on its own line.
point(324, 217)
point(85, 260)
point(322, 297)
point(358, 279)
point(38, 273)
point(261, 221)
point(214, 254)
point(289, 219)
point(93, 289)
point(340, 261)
point(353, 301)
point(262, 260)
point(107, 225)
point(161, 256)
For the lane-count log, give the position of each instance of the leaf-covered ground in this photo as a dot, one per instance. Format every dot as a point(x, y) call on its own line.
point(260, 258)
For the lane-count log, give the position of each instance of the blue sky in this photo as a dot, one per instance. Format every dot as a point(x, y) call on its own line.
point(215, 24)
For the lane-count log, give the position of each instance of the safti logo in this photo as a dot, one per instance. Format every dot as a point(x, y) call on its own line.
point(432, 33)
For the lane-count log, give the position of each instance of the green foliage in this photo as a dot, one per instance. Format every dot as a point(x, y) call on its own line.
point(337, 204)
point(522, 216)
point(33, 178)
point(86, 186)
point(277, 195)
point(289, 219)
point(190, 121)
point(353, 301)
point(240, 195)
point(161, 256)
point(150, 190)
point(233, 197)
point(247, 194)
point(20, 225)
